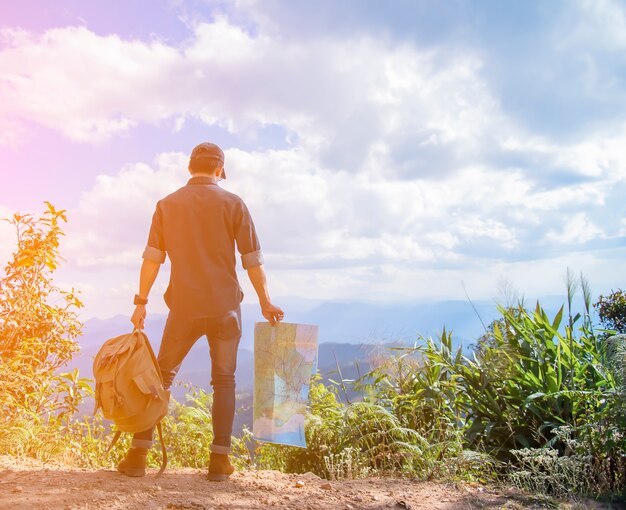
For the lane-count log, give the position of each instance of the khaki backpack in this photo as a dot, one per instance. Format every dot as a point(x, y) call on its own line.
point(129, 386)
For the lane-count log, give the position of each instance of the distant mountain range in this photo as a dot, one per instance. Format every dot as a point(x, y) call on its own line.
point(348, 330)
point(351, 335)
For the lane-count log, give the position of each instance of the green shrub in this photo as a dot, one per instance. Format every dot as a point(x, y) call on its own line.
point(188, 431)
point(38, 328)
point(543, 379)
point(612, 311)
point(420, 387)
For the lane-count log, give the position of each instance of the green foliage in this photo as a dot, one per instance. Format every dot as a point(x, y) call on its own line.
point(612, 310)
point(83, 441)
point(585, 469)
point(429, 411)
point(531, 379)
point(188, 431)
point(407, 426)
point(345, 440)
point(38, 327)
point(420, 387)
point(38, 321)
point(50, 434)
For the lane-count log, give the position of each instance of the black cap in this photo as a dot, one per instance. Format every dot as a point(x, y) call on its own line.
point(207, 150)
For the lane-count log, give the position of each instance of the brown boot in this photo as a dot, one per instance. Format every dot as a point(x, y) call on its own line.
point(220, 467)
point(134, 463)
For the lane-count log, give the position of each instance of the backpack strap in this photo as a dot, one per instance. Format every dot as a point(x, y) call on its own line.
point(117, 435)
point(158, 425)
point(164, 461)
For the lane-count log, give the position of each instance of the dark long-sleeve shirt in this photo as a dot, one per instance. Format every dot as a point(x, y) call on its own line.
point(198, 227)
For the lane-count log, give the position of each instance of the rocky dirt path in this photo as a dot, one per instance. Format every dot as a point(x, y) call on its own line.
point(31, 486)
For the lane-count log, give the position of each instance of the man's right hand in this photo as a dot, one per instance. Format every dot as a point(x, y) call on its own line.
point(272, 313)
point(139, 316)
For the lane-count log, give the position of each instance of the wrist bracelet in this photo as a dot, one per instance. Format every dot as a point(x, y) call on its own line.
point(139, 300)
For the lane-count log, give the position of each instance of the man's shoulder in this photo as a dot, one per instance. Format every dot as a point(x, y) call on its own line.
point(215, 192)
point(229, 195)
point(173, 195)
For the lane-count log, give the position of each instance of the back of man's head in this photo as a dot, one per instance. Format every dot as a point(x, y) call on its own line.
point(206, 158)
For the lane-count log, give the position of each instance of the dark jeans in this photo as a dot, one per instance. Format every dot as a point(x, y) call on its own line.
point(223, 334)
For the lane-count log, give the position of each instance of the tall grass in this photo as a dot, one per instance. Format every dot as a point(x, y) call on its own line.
point(539, 401)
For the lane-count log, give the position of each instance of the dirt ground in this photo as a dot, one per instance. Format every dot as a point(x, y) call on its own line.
point(30, 485)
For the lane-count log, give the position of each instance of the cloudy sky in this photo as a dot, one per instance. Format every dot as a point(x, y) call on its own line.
point(388, 151)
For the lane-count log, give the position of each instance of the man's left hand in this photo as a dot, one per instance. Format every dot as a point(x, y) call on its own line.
point(139, 316)
point(272, 313)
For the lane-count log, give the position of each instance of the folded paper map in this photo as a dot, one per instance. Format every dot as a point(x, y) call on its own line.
point(285, 358)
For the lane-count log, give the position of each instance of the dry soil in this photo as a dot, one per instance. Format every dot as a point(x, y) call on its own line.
point(31, 485)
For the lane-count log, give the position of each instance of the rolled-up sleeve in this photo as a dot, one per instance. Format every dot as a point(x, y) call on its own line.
point(155, 248)
point(247, 241)
point(153, 254)
point(252, 259)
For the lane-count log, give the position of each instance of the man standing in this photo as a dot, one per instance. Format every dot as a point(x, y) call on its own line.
point(198, 227)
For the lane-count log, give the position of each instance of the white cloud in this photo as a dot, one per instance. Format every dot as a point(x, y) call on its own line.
point(336, 231)
point(403, 175)
point(578, 229)
point(84, 85)
point(110, 225)
point(360, 103)
point(348, 98)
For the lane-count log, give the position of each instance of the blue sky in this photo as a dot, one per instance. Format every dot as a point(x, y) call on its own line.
point(387, 151)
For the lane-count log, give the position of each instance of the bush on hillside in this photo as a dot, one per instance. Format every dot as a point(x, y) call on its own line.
point(38, 328)
point(612, 311)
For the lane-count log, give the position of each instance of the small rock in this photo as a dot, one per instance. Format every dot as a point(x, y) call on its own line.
point(375, 497)
point(358, 498)
point(310, 476)
point(18, 488)
point(299, 484)
point(403, 504)
point(326, 486)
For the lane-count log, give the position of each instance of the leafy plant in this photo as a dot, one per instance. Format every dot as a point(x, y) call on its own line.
point(188, 431)
point(612, 310)
point(38, 321)
point(543, 378)
point(38, 328)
